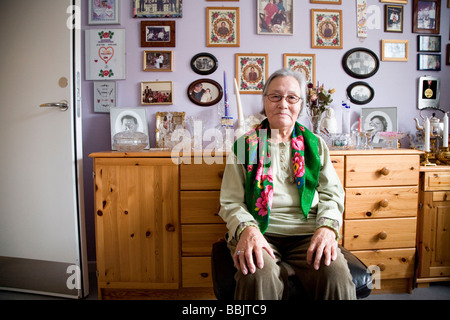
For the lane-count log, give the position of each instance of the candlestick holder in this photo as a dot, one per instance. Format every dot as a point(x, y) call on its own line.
point(443, 156)
point(426, 161)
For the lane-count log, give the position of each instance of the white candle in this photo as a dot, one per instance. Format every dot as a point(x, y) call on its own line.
point(239, 105)
point(426, 129)
point(445, 134)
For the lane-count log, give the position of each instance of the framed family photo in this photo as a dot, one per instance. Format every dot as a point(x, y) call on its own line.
point(383, 119)
point(426, 16)
point(205, 92)
point(428, 43)
point(428, 62)
point(251, 72)
point(275, 17)
point(157, 33)
point(222, 27)
point(360, 63)
point(393, 18)
point(326, 29)
point(204, 63)
point(158, 60)
point(166, 124)
point(394, 50)
point(124, 118)
point(157, 8)
point(156, 92)
point(304, 63)
point(104, 12)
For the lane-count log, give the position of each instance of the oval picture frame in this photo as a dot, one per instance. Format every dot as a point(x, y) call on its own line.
point(205, 92)
point(204, 63)
point(360, 92)
point(360, 63)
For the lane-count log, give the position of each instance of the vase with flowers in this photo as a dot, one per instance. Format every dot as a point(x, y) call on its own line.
point(318, 99)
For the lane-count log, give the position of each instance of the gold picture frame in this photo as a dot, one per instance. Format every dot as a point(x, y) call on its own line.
point(304, 63)
point(158, 61)
point(166, 124)
point(251, 72)
point(222, 27)
point(156, 92)
point(326, 29)
point(394, 50)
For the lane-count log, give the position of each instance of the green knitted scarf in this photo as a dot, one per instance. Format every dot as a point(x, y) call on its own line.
point(259, 183)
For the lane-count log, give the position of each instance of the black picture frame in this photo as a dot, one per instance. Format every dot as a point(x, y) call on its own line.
point(360, 63)
point(360, 92)
point(393, 18)
point(428, 62)
point(201, 97)
point(429, 43)
point(204, 63)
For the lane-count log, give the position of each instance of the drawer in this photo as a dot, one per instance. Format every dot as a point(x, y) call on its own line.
point(197, 239)
point(389, 202)
point(436, 181)
point(196, 272)
point(382, 170)
point(200, 207)
point(201, 176)
point(379, 233)
point(393, 263)
point(338, 164)
point(439, 196)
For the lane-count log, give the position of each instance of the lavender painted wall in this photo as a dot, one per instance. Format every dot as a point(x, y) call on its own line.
point(395, 84)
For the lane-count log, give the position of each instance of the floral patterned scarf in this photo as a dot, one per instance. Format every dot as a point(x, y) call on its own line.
point(259, 181)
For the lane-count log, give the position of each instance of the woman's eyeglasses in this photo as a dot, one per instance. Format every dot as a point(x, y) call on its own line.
point(290, 98)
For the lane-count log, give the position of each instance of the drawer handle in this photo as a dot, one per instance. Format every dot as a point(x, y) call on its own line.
point(384, 203)
point(220, 173)
point(368, 213)
point(204, 275)
point(385, 171)
point(170, 227)
point(382, 235)
point(382, 266)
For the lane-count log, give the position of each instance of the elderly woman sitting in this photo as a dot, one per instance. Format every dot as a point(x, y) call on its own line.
point(282, 200)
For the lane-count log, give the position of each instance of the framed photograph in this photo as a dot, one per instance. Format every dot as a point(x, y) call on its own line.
point(205, 92)
point(223, 0)
point(429, 43)
point(360, 63)
point(158, 60)
point(204, 63)
point(104, 12)
point(222, 27)
point(395, 1)
point(105, 54)
point(429, 92)
point(326, 29)
point(304, 63)
point(379, 120)
point(157, 8)
point(426, 16)
point(157, 33)
point(105, 95)
point(394, 50)
point(123, 118)
point(251, 72)
point(393, 18)
point(326, 1)
point(429, 62)
point(156, 92)
point(166, 124)
point(275, 17)
point(360, 92)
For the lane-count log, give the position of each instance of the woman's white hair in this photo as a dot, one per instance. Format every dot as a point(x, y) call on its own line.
point(289, 73)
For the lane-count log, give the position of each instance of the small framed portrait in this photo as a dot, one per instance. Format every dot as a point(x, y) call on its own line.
point(428, 62)
point(383, 119)
point(326, 29)
point(251, 72)
point(426, 16)
point(222, 27)
point(157, 33)
point(428, 43)
point(394, 50)
point(275, 17)
point(393, 18)
point(157, 8)
point(205, 92)
point(360, 63)
point(304, 63)
point(105, 95)
point(360, 92)
point(158, 60)
point(104, 12)
point(166, 124)
point(204, 63)
point(123, 119)
point(156, 92)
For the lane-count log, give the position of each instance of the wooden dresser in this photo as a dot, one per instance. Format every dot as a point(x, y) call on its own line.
point(433, 228)
point(157, 217)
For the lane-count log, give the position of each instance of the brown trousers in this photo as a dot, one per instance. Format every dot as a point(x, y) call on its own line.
point(333, 282)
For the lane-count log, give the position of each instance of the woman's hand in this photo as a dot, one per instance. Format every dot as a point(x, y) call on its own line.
point(323, 243)
point(251, 242)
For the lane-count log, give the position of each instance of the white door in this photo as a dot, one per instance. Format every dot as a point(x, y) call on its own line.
point(41, 207)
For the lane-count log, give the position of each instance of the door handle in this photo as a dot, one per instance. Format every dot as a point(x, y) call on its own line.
point(62, 105)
